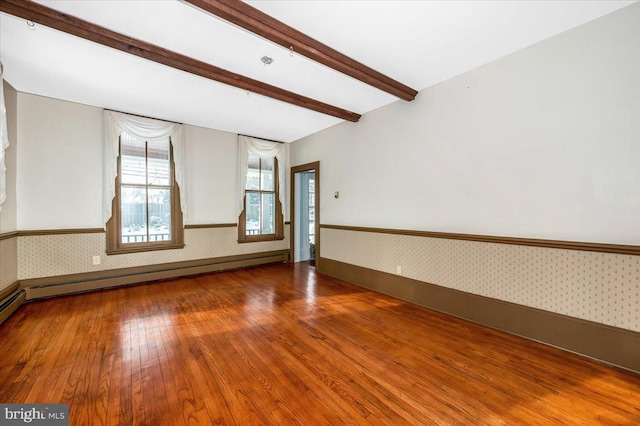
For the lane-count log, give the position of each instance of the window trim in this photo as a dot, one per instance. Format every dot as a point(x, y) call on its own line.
point(114, 224)
point(279, 219)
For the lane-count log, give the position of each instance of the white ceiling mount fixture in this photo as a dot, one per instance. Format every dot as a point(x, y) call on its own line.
point(420, 43)
point(257, 22)
point(87, 30)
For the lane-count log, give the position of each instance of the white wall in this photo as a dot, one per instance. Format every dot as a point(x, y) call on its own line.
point(60, 186)
point(212, 167)
point(59, 181)
point(60, 168)
point(211, 175)
point(8, 215)
point(8, 246)
point(544, 143)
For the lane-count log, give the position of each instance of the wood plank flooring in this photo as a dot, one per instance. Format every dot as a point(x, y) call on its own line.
point(282, 345)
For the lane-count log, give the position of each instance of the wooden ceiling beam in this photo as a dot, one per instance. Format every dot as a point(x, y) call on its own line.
point(40, 14)
point(258, 22)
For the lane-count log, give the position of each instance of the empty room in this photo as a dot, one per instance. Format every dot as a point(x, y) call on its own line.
point(319, 212)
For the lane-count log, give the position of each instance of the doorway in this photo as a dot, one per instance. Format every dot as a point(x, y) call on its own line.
point(305, 214)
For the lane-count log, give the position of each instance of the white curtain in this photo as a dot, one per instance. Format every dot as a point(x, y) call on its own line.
point(4, 143)
point(263, 149)
point(143, 129)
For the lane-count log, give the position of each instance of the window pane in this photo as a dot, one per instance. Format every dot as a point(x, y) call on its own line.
point(268, 214)
point(252, 223)
point(267, 174)
point(158, 163)
point(253, 172)
point(134, 214)
point(132, 160)
point(159, 214)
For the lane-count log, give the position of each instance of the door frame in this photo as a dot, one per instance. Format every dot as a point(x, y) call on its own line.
point(309, 167)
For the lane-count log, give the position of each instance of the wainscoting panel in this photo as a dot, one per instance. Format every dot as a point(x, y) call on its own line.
point(89, 281)
point(52, 255)
point(8, 261)
point(599, 287)
point(613, 345)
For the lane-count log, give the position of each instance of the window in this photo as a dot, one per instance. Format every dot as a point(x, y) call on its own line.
point(261, 219)
point(146, 208)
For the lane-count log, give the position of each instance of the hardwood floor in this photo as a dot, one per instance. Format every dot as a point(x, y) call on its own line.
point(283, 345)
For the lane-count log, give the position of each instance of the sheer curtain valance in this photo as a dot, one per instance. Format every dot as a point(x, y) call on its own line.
point(143, 129)
point(263, 149)
point(4, 143)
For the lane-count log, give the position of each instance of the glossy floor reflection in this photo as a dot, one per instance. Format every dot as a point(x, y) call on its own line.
point(281, 344)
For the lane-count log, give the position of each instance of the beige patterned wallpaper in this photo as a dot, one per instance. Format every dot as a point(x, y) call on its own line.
point(50, 255)
point(599, 287)
point(8, 262)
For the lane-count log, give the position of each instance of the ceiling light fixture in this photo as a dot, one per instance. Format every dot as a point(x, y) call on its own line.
point(266, 60)
point(51, 18)
point(31, 24)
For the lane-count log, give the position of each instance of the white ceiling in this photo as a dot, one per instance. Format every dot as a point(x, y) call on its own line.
point(419, 43)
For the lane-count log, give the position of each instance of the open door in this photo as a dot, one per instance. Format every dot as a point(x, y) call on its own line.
point(305, 215)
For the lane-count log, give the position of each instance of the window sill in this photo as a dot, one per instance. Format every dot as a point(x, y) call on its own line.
point(261, 238)
point(140, 249)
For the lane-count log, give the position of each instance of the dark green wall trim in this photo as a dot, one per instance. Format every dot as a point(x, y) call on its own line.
point(566, 245)
point(38, 288)
point(8, 235)
point(210, 225)
point(602, 342)
point(42, 232)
